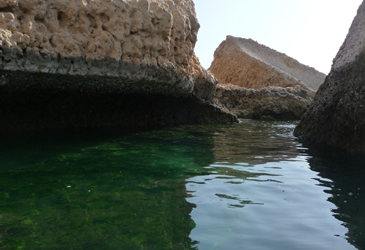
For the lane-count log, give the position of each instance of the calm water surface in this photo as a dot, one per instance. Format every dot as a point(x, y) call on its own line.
point(245, 186)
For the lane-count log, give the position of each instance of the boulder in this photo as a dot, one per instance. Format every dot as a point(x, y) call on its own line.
point(76, 63)
point(260, 83)
point(337, 114)
point(248, 64)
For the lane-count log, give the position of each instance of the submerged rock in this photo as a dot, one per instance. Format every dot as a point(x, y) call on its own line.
point(66, 63)
point(337, 115)
point(261, 83)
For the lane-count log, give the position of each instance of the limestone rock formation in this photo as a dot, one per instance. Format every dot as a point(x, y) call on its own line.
point(337, 115)
point(261, 83)
point(156, 33)
point(266, 103)
point(95, 63)
point(246, 63)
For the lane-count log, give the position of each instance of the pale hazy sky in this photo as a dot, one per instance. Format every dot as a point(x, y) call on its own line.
point(311, 31)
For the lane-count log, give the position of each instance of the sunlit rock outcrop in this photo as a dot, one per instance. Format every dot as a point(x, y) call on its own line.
point(337, 115)
point(264, 72)
point(248, 64)
point(95, 63)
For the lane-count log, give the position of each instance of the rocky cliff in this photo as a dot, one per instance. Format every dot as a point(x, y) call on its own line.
point(100, 63)
point(337, 115)
point(246, 63)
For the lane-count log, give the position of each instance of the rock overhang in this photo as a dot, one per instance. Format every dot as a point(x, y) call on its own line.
point(129, 49)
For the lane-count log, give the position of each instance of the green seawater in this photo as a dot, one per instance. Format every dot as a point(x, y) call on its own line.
point(245, 186)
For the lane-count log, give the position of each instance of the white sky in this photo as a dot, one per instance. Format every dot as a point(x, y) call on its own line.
point(311, 31)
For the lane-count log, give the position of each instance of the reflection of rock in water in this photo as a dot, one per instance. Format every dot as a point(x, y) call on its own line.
point(347, 187)
point(125, 193)
point(251, 142)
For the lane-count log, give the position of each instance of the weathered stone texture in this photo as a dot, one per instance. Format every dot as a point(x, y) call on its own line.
point(260, 83)
point(246, 63)
point(160, 33)
point(274, 103)
point(130, 47)
point(337, 115)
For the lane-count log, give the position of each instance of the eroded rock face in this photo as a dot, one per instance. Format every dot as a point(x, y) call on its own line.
point(160, 33)
point(248, 64)
point(266, 103)
point(260, 83)
point(337, 115)
point(89, 50)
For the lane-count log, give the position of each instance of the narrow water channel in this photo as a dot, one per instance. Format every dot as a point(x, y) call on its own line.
point(246, 186)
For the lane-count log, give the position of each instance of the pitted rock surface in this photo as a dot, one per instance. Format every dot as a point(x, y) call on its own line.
point(128, 48)
point(147, 32)
point(146, 40)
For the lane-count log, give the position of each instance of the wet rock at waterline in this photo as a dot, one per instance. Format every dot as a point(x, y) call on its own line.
point(337, 115)
point(260, 83)
point(80, 63)
point(264, 104)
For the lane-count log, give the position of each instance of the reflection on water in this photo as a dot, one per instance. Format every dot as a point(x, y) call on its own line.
point(245, 186)
point(342, 176)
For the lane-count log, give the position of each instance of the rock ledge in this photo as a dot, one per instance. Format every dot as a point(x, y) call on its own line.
point(274, 103)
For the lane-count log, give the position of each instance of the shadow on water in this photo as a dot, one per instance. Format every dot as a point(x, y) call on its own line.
point(345, 174)
point(99, 191)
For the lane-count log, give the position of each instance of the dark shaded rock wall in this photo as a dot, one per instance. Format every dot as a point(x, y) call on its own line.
point(337, 115)
point(38, 100)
